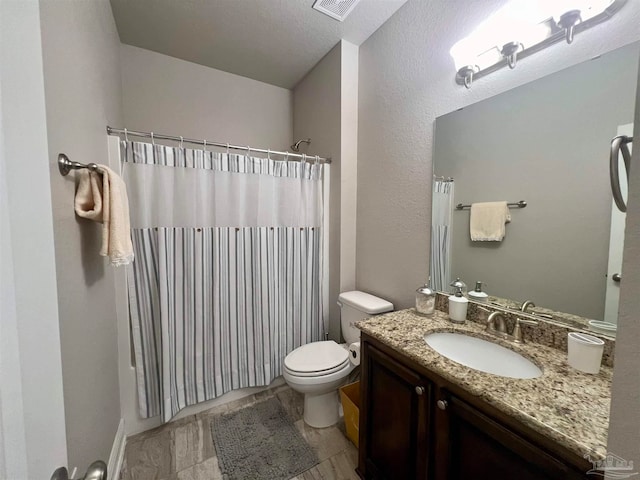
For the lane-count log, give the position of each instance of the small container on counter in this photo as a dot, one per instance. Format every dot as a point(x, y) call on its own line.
point(458, 285)
point(584, 352)
point(477, 295)
point(458, 305)
point(426, 299)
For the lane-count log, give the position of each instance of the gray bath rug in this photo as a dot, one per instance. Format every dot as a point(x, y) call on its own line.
point(260, 442)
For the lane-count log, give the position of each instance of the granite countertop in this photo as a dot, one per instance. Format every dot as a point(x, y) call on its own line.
point(563, 404)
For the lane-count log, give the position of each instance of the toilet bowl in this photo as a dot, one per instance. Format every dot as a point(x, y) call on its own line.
point(318, 369)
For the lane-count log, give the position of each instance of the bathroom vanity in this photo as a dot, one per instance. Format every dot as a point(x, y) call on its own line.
point(425, 416)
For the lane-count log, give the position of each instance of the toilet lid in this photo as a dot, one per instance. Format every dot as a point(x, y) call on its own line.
point(317, 357)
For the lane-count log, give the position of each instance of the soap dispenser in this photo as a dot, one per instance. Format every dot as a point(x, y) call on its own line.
point(426, 299)
point(458, 304)
point(458, 284)
point(478, 295)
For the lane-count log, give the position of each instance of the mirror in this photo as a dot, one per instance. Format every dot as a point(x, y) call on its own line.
point(547, 143)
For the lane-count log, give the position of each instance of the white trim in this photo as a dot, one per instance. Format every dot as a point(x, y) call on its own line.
point(348, 164)
point(326, 213)
point(117, 453)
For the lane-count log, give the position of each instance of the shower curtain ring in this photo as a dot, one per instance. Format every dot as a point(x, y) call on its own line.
point(227, 149)
point(248, 151)
point(304, 158)
point(268, 154)
point(181, 142)
point(317, 159)
point(286, 157)
point(126, 135)
point(153, 142)
point(204, 146)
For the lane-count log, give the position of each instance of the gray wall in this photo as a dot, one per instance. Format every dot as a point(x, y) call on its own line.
point(32, 426)
point(166, 95)
point(406, 81)
point(544, 142)
point(316, 115)
point(624, 430)
point(82, 89)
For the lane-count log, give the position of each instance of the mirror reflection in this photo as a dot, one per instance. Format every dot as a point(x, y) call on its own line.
point(545, 143)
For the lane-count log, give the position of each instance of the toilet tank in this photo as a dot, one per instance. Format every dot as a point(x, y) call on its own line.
point(356, 306)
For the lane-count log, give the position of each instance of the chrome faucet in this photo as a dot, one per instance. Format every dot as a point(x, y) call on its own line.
point(526, 305)
point(495, 323)
point(497, 326)
point(517, 329)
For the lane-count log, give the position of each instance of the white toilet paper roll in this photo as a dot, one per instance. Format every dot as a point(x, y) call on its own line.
point(354, 353)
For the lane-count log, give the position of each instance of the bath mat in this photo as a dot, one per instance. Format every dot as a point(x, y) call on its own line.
point(260, 442)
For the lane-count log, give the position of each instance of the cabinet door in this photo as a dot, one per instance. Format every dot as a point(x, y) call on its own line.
point(470, 445)
point(393, 419)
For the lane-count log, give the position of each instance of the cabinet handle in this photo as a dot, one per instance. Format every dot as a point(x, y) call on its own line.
point(420, 390)
point(442, 404)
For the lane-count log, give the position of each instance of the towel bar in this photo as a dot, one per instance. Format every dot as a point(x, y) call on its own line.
point(65, 165)
point(520, 204)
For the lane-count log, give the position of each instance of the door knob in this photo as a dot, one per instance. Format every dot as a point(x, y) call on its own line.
point(60, 474)
point(442, 404)
point(420, 390)
point(97, 471)
point(616, 277)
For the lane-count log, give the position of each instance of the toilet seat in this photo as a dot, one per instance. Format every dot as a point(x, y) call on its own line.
point(317, 359)
point(315, 381)
point(321, 373)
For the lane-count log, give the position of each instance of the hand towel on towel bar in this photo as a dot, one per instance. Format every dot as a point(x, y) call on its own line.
point(487, 221)
point(103, 198)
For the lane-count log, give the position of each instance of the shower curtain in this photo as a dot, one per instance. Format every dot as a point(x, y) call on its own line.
point(441, 216)
point(228, 272)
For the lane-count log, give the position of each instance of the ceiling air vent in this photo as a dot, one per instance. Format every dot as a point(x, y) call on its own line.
point(338, 9)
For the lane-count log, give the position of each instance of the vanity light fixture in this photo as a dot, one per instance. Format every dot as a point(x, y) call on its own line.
point(524, 27)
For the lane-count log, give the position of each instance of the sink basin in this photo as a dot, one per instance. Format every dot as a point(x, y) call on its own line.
point(482, 355)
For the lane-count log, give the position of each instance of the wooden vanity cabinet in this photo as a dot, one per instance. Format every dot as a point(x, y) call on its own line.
point(418, 426)
point(395, 410)
point(471, 445)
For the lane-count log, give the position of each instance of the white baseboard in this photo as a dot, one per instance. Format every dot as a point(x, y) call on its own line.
point(117, 453)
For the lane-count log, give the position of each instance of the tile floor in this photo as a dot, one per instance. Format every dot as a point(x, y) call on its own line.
point(183, 450)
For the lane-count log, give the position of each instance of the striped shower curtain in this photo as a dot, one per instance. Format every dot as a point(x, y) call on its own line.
point(228, 272)
point(441, 210)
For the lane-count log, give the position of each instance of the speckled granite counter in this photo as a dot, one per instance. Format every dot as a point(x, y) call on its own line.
point(563, 404)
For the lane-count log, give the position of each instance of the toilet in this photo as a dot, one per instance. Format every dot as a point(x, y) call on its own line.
point(317, 369)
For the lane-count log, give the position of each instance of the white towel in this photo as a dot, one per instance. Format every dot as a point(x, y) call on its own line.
point(487, 220)
point(102, 197)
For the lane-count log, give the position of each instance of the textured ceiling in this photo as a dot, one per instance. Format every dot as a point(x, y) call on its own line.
point(274, 41)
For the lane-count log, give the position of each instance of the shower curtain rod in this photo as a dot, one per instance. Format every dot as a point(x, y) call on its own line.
point(205, 143)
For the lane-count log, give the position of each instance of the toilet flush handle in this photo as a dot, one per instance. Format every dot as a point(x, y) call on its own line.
point(339, 303)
